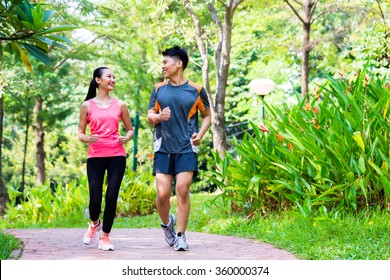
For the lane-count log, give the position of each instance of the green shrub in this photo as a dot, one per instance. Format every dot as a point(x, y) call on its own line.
point(44, 206)
point(325, 155)
point(138, 193)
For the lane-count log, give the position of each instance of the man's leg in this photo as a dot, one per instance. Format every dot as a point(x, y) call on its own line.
point(164, 189)
point(183, 183)
point(163, 205)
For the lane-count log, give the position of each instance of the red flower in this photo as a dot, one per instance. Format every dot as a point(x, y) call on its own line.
point(263, 128)
point(280, 137)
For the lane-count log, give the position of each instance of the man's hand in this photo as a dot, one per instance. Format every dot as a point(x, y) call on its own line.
point(196, 139)
point(165, 114)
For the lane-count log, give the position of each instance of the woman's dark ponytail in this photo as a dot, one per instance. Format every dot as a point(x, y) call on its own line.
point(93, 85)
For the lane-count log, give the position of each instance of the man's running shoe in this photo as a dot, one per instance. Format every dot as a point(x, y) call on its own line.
point(169, 230)
point(181, 243)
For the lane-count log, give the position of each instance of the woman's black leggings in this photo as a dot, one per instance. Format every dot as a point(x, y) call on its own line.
point(96, 169)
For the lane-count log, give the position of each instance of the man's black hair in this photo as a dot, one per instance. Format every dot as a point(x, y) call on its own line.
point(177, 52)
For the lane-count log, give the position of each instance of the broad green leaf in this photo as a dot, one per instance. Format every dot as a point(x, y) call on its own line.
point(42, 42)
point(59, 46)
point(59, 28)
point(362, 183)
point(38, 53)
point(21, 13)
point(362, 164)
point(27, 25)
point(377, 169)
point(37, 20)
point(386, 185)
point(47, 15)
point(58, 38)
point(333, 190)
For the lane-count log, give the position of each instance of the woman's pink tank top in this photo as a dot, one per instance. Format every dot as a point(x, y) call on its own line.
point(105, 123)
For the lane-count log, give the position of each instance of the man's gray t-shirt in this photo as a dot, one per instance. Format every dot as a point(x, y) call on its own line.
point(184, 101)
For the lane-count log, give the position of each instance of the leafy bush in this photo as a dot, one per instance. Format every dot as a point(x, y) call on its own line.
point(325, 155)
point(137, 194)
point(43, 205)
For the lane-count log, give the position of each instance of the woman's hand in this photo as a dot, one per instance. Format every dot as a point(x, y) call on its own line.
point(123, 139)
point(93, 138)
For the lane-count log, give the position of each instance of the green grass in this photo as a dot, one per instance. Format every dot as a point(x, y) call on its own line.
point(354, 237)
point(8, 244)
point(349, 238)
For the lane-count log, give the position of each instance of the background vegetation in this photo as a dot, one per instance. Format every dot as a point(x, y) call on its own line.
point(317, 164)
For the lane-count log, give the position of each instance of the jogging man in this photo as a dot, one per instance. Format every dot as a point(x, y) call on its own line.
point(173, 110)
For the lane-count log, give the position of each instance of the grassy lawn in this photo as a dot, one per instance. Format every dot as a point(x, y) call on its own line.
point(349, 238)
point(8, 244)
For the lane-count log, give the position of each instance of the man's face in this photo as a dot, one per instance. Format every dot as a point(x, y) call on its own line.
point(170, 66)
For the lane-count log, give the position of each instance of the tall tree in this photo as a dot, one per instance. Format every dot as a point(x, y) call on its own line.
point(24, 31)
point(307, 12)
point(306, 18)
point(222, 60)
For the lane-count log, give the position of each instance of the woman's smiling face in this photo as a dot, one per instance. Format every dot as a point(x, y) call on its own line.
point(107, 80)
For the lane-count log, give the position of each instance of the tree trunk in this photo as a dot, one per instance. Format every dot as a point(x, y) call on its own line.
point(218, 122)
point(305, 59)
point(39, 140)
point(309, 6)
point(23, 183)
point(222, 61)
point(306, 48)
point(3, 191)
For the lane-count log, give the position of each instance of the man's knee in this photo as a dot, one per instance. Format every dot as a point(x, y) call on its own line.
point(183, 192)
point(163, 195)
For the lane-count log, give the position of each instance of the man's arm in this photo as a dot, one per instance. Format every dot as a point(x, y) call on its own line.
point(206, 120)
point(155, 117)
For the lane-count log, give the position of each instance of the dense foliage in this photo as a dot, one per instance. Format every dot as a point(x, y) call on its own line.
point(325, 156)
point(48, 205)
point(24, 28)
point(354, 34)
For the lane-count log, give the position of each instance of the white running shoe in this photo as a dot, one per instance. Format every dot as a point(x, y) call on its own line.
point(169, 230)
point(181, 243)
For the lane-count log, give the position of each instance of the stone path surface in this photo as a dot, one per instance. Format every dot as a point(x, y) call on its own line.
point(140, 244)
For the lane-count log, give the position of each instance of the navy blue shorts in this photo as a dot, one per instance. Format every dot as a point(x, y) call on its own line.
point(175, 163)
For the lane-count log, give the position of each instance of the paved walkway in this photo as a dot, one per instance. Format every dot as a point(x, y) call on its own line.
point(140, 244)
